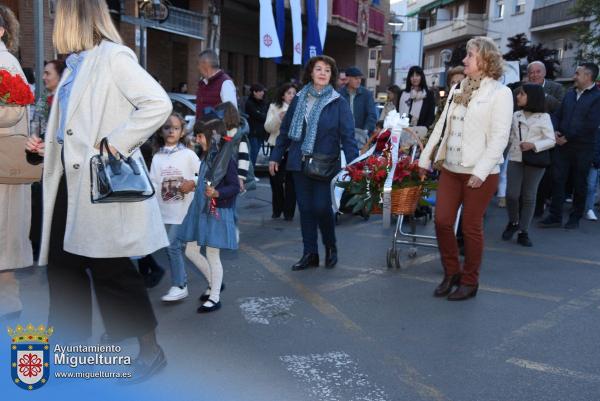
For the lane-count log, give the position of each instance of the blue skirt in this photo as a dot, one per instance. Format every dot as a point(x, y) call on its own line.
point(207, 229)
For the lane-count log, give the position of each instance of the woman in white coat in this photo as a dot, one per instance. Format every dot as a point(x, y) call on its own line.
point(532, 131)
point(103, 93)
point(472, 134)
point(15, 199)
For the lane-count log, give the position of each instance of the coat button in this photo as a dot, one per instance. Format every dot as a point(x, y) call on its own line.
point(69, 132)
point(76, 166)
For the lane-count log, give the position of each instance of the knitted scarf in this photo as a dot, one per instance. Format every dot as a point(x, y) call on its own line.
point(468, 86)
point(295, 132)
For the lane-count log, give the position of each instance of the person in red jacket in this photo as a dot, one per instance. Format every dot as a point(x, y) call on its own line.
point(215, 87)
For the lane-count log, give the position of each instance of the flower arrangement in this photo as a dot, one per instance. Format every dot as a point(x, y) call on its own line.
point(367, 177)
point(14, 91)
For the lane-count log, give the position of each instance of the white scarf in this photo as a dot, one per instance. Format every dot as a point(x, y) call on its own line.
point(417, 103)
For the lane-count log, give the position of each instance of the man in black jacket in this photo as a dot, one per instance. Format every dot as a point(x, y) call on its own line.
point(575, 124)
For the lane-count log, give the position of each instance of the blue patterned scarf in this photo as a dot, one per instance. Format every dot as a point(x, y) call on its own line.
point(295, 132)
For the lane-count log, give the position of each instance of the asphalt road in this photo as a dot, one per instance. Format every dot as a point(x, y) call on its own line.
point(363, 332)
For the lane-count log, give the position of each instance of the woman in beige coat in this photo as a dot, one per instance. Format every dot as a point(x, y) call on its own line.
point(15, 218)
point(15, 199)
point(104, 93)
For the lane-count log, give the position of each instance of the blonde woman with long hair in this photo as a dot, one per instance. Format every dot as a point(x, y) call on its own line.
point(472, 134)
point(104, 93)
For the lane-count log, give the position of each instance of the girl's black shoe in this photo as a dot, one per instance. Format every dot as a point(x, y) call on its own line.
point(213, 307)
point(509, 231)
point(523, 239)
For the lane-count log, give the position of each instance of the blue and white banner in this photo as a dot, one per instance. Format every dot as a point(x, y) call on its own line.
point(268, 39)
point(280, 19)
point(323, 17)
point(313, 41)
point(296, 9)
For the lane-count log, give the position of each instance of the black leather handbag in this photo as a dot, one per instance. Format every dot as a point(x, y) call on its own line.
point(118, 180)
point(533, 159)
point(321, 167)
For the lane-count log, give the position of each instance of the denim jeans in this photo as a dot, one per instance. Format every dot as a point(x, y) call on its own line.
point(255, 145)
point(592, 186)
point(175, 252)
point(316, 212)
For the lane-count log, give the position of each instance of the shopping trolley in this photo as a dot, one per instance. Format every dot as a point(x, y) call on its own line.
point(411, 238)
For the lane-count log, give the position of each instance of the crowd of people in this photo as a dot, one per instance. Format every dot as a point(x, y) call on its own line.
point(546, 140)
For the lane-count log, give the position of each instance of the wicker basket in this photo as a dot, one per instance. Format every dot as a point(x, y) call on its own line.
point(406, 200)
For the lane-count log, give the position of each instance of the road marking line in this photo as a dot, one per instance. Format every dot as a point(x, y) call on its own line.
point(407, 375)
point(545, 368)
point(279, 243)
point(420, 260)
point(505, 291)
point(551, 318)
point(361, 278)
point(333, 376)
point(314, 298)
point(266, 310)
point(545, 256)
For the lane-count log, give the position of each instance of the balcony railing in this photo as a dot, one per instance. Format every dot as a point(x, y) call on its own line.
point(450, 31)
point(180, 21)
point(347, 11)
point(552, 14)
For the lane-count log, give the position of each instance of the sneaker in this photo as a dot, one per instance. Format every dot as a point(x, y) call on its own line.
point(590, 215)
point(502, 202)
point(523, 239)
point(550, 222)
point(509, 231)
point(175, 294)
point(572, 224)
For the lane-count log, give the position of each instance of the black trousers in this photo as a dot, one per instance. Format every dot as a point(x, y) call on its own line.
point(35, 232)
point(575, 161)
point(283, 193)
point(120, 291)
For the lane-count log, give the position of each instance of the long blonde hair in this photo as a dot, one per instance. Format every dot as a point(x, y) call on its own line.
point(82, 24)
point(11, 26)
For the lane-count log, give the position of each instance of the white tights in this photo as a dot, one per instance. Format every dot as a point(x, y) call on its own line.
point(212, 269)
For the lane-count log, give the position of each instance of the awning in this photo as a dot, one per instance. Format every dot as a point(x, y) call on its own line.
point(429, 7)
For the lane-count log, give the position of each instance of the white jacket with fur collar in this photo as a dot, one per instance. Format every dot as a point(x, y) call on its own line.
point(486, 129)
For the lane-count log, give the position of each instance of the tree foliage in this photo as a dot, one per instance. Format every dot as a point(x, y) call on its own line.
point(519, 47)
point(588, 34)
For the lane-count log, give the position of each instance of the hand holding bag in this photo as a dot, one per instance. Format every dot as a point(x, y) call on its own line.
point(118, 180)
point(321, 167)
point(533, 159)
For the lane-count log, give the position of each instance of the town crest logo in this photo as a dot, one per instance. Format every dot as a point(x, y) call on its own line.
point(30, 356)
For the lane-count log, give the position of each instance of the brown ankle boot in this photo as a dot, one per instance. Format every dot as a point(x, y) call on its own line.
point(446, 285)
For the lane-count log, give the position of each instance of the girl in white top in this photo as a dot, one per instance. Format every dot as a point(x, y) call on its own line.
point(173, 172)
point(531, 131)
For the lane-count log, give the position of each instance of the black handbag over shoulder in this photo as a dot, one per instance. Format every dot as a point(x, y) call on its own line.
point(321, 167)
point(533, 159)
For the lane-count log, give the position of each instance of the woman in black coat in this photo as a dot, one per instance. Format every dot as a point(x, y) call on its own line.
point(417, 101)
point(256, 108)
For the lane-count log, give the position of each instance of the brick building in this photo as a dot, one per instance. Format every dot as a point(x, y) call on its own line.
point(172, 46)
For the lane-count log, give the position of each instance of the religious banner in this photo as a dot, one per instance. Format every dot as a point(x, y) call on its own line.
point(362, 31)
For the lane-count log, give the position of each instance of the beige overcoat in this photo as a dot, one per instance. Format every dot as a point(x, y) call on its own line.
point(114, 97)
point(15, 200)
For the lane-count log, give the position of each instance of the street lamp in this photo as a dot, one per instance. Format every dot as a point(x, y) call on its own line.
point(395, 23)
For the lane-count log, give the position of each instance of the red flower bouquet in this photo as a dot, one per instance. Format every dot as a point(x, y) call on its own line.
point(14, 91)
point(367, 179)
